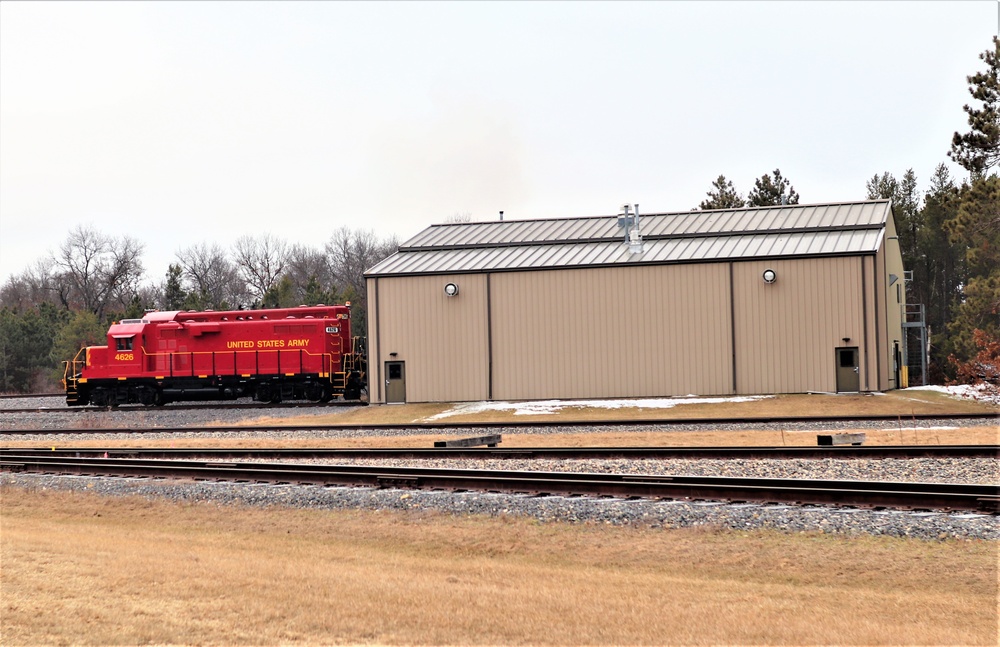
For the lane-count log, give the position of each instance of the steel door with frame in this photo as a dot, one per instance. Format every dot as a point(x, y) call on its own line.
point(848, 373)
point(395, 382)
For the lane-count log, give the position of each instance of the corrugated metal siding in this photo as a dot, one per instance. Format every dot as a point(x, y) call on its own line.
point(678, 250)
point(631, 331)
point(614, 332)
point(786, 332)
point(374, 370)
point(894, 301)
point(442, 339)
point(870, 351)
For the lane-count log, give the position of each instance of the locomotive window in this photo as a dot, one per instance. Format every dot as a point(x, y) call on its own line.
point(123, 343)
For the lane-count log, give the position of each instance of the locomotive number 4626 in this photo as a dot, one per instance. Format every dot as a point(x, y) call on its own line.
point(124, 357)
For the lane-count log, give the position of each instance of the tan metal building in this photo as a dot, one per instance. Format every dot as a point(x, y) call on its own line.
point(785, 299)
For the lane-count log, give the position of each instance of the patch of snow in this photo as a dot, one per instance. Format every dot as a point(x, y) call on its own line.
point(967, 391)
point(542, 407)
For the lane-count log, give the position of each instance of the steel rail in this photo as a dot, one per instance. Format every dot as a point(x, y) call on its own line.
point(557, 453)
point(429, 426)
point(916, 496)
point(7, 396)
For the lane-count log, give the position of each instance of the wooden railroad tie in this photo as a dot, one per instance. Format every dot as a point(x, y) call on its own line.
point(840, 439)
point(489, 441)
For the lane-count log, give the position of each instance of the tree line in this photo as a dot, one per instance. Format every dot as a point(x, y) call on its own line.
point(949, 235)
point(68, 299)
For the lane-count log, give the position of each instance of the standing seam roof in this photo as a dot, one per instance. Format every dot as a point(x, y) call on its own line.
point(792, 230)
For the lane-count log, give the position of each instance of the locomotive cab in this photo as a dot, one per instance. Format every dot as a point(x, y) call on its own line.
point(125, 349)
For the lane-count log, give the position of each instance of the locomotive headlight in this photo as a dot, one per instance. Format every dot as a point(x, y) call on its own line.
point(451, 289)
point(769, 276)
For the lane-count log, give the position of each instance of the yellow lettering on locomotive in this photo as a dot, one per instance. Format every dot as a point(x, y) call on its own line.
point(239, 344)
point(298, 343)
point(124, 357)
point(271, 343)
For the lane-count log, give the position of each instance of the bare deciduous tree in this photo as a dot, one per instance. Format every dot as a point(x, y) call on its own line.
point(353, 252)
point(350, 254)
point(30, 288)
point(96, 270)
point(211, 277)
point(260, 261)
point(307, 266)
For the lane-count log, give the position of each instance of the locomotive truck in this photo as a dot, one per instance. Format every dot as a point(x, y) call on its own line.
point(304, 353)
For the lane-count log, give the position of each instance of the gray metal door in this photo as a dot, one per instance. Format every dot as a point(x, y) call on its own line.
point(395, 382)
point(848, 375)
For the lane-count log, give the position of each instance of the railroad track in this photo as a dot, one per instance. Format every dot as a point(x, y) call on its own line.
point(986, 418)
point(913, 496)
point(593, 453)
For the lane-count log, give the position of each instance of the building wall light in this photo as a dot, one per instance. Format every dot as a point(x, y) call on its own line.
point(451, 289)
point(769, 276)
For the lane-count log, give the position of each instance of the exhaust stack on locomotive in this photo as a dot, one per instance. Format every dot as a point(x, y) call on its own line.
point(304, 353)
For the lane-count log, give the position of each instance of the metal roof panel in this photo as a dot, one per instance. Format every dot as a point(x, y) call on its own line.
point(788, 230)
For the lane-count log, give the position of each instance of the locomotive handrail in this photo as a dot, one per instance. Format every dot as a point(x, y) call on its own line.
point(175, 370)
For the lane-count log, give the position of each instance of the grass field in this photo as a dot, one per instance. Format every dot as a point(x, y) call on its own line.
point(76, 568)
point(82, 569)
point(901, 404)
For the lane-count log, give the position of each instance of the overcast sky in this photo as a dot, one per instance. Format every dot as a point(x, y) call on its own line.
point(184, 122)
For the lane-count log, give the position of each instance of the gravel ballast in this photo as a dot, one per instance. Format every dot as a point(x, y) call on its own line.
point(657, 514)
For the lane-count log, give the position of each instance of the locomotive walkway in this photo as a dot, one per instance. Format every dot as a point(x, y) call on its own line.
point(191, 407)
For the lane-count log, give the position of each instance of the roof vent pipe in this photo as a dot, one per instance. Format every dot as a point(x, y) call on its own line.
point(633, 235)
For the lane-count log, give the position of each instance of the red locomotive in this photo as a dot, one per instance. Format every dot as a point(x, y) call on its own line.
point(270, 355)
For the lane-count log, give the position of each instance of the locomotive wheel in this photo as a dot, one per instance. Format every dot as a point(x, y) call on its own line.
point(314, 392)
point(269, 393)
point(99, 398)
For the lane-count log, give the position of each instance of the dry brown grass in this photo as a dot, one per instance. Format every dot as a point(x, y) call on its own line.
point(893, 403)
point(81, 569)
point(754, 438)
